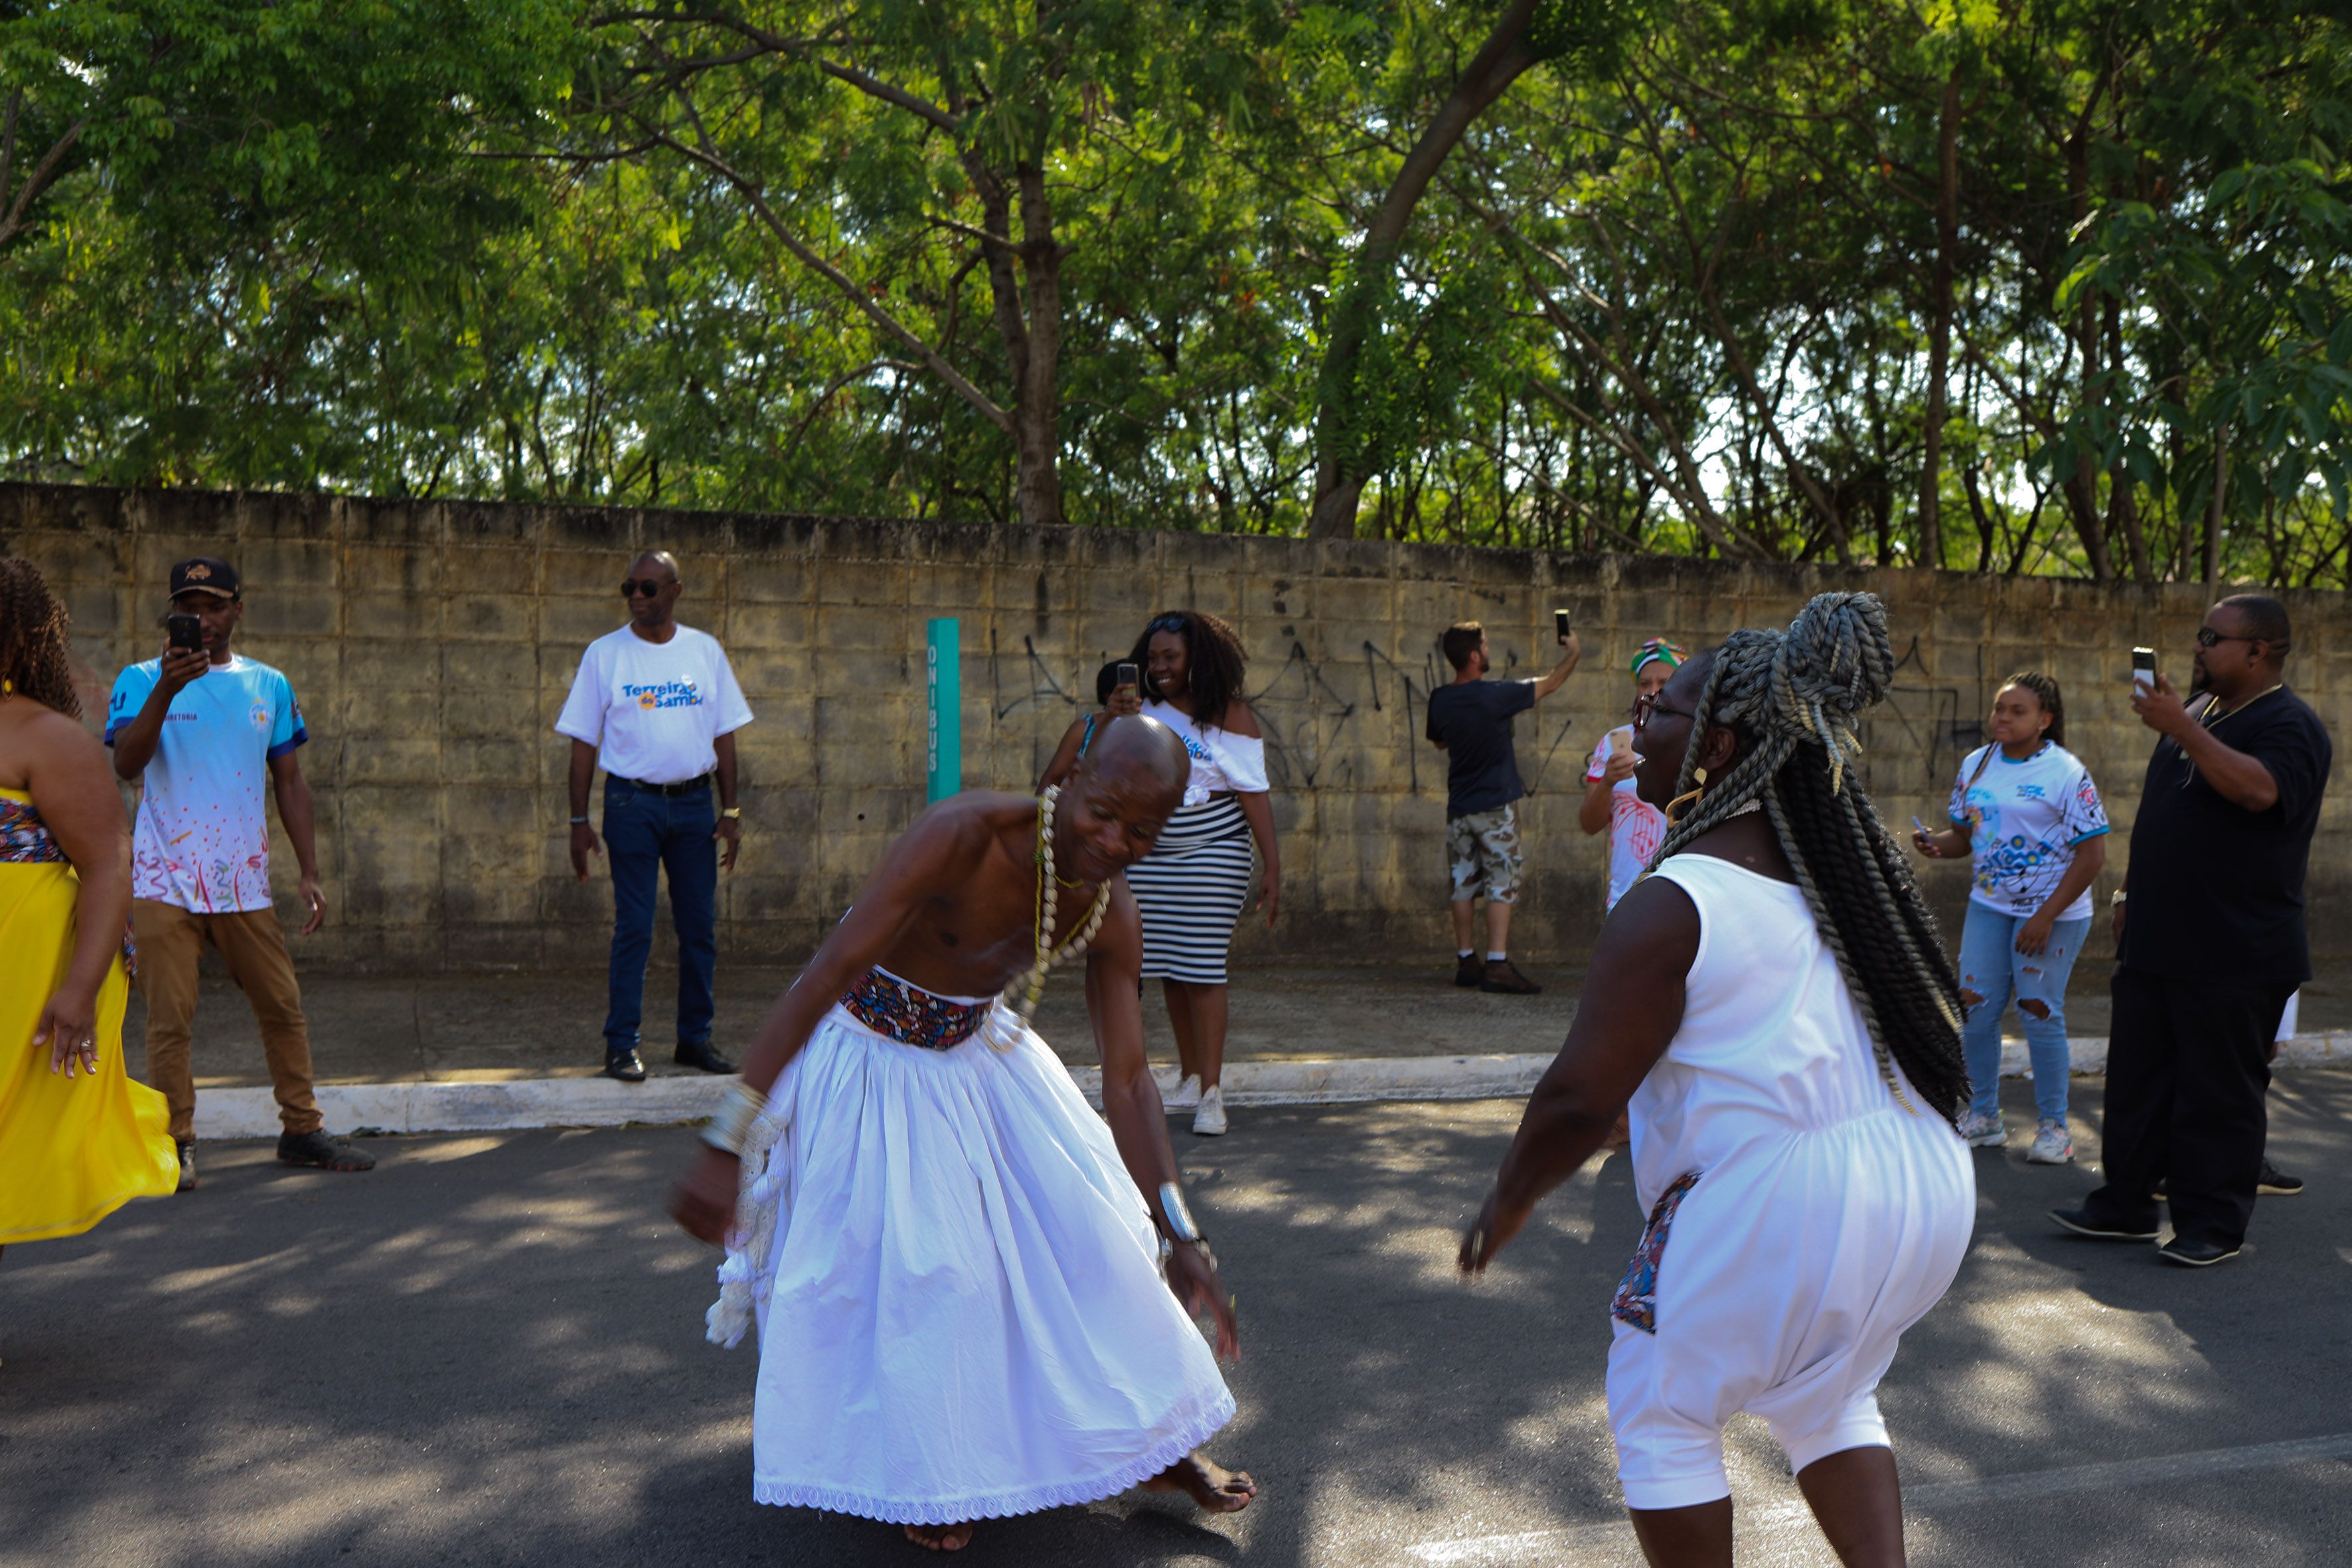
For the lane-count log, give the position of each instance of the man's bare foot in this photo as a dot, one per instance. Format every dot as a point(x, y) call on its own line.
point(940, 1537)
point(1206, 1482)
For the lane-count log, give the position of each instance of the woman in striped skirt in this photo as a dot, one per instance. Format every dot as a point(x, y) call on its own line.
point(1190, 888)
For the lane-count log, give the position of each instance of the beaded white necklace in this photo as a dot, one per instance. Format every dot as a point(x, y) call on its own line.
point(1008, 1016)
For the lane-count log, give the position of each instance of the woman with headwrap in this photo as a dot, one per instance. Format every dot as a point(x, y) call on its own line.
point(1611, 801)
point(1772, 1008)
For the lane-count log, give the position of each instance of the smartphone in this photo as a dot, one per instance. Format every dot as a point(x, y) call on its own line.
point(1129, 675)
point(186, 632)
point(1924, 831)
point(1560, 625)
point(2143, 670)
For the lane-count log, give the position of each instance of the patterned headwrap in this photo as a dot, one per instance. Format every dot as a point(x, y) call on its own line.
point(1659, 650)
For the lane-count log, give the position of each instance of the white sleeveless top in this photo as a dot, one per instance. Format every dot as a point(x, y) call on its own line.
point(1771, 1044)
point(1222, 761)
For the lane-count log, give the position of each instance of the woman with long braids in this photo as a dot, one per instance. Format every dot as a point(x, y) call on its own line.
point(77, 1138)
point(1772, 1011)
point(1191, 887)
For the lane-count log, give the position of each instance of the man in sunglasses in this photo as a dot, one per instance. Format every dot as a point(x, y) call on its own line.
point(656, 705)
point(2211, 939)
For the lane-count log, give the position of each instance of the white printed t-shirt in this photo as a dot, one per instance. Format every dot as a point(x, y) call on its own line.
point(654, 711)
point(1636, 828)
point(2025, 820)
point(202, 839)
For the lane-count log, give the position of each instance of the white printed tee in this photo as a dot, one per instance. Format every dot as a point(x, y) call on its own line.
point(2025, 820)
point(1636, 828)
point(202, 839)
point(654, 711)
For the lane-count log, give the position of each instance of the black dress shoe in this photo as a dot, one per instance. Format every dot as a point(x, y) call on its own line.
point(2195, 1253)
point(624, 1065)
point(2080, 1222)
point(704, 1056)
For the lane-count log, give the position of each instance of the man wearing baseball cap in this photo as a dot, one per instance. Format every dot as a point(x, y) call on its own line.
point(198, 729)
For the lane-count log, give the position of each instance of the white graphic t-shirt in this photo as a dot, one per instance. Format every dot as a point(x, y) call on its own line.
point(654, 711)
point(1636, 828)
point(202, 839)
point(2024, 820)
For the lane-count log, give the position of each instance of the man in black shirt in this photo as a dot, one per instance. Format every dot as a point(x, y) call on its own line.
point(1470, 721)
point(2210, 938)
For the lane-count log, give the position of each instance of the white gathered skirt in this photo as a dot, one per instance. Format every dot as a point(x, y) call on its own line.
point(961, 1309)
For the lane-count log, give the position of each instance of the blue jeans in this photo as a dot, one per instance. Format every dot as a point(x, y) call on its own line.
point(1991, 971)
point(645, 832)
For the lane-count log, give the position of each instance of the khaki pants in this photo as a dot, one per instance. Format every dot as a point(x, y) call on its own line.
point(252, 945)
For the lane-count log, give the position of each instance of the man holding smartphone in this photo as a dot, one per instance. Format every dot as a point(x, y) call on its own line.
point(1470, 722)
point(2211, 939)
point(655, 704)
point(197, 730)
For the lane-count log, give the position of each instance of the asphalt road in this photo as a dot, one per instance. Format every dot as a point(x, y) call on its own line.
point(489, 1351)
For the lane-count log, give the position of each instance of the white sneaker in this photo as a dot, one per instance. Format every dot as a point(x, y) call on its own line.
point(1209, 1121)
point(2052, 1146)
point(1185, 1095)
point(1979, 1131)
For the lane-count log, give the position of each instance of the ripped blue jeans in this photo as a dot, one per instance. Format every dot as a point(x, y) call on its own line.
point(1993, 973)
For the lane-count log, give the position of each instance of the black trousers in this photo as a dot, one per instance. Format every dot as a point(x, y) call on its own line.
point(2188, 1063)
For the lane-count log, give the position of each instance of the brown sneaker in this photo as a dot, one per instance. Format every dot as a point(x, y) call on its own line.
point(1468, 970)
point(1502, 976)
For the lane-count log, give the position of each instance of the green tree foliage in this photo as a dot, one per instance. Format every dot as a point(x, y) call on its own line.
point(2018, 286)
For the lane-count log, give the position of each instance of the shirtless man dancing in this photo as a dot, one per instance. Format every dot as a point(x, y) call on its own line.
point(959, 1293)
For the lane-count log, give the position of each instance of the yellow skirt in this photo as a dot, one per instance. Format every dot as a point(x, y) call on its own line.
point(72, 1150)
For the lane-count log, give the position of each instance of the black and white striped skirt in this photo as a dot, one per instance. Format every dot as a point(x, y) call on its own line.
point(1189, 890)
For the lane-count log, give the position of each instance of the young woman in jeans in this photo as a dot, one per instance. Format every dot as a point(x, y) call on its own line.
point(2025, 812)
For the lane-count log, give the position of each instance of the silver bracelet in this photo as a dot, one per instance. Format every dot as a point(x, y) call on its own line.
point(1179, 1217)
point(727, 1130)
point(578, 820)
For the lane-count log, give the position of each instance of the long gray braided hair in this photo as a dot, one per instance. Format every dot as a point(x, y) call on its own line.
point(1792, 698)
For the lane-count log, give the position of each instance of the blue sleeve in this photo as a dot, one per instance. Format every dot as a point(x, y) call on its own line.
point(1430, 728)
point(1517, 697)
point(286, 728)
point(131, 689)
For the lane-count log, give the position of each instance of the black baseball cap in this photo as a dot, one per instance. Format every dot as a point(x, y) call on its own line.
point(205, 574)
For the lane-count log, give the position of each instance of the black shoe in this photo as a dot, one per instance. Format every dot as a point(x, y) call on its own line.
point(2080, 1222)
point(624, 1065)
point(324, 1152)
point(1468, 970)
point(1502, 976)
point(2195, 1253)
point(188, 1147)
point(2277, 1184)
point(702, 1056)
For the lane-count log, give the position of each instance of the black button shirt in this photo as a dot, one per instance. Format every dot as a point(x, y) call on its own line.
point(2217, 889)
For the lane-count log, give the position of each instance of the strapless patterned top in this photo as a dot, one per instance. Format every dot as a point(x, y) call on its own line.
point(912, 1016)
point(26, 840)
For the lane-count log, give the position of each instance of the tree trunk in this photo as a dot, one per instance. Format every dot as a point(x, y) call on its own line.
point(1036, 406)
point(2082, 487)
point(1940, 337)
point(1340, 474)
point(2213, 516)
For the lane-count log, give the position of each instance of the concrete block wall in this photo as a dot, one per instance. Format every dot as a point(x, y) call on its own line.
point(431, 644)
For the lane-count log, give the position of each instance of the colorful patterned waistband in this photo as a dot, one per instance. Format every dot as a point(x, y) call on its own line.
point(912, 1016)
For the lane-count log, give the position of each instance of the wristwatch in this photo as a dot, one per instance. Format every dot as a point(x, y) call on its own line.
point(2116, 900)
point(733, 814)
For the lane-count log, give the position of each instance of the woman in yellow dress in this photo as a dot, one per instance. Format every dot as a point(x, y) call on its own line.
point(77, 1138)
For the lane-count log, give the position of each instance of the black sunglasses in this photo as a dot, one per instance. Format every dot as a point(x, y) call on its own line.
point(2208, 637)
point(1166, 623)
point(631, 587)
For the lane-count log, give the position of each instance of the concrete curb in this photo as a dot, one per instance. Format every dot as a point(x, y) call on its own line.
point(517, 1104)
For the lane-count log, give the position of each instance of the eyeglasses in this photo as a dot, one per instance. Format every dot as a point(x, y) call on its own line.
point(2207, 637)
point(631, 587)
point(1166, 623)
point(1647, 706)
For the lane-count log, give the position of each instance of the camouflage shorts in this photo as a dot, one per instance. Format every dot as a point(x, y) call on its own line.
point(1483, 848)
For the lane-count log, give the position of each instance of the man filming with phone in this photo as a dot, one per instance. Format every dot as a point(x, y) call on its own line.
point(198, 729)
point(2210, 938)
point(1470, 722)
